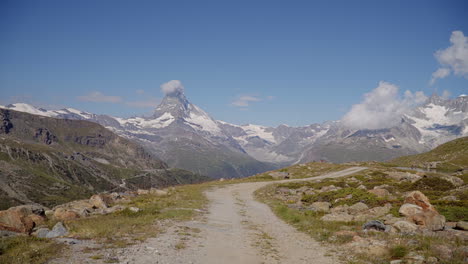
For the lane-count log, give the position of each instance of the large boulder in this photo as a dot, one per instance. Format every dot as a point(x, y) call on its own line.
point(462, 225)
point(82, 207)
point(410, 209)
point(63, 214)
point(419, 199)
point(22, 218)
point(57, 231)
point(101, 201)
point(321, 206)
point(380, 211)
point(405, 227)
point(432, 220)
point(357, 208)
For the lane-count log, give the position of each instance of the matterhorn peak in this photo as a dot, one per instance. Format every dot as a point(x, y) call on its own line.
point(174, 102)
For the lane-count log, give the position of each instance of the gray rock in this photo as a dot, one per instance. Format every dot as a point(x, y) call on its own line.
point(321, 206)
point(357, 208)
point(374, 225)
point(42, 232)
point(408, 209)
point(462, 225)
point(405, 227)
point(6, 233)
point(58, 231)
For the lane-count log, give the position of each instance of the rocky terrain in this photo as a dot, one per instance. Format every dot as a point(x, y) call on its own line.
point(387, 213)
point(179, 131)
point(51, 161)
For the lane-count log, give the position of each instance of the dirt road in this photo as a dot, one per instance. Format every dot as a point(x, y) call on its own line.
point(237, 229)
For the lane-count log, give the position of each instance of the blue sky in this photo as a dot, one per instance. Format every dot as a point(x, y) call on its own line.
point(299, 62)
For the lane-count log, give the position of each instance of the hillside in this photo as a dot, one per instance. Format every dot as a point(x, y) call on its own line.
point(450, 157)
point(51, 161)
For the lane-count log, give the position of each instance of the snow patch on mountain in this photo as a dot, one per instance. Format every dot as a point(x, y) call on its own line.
point(200, 120)
point(144, 123)
point(258, 131)
point(22, 107)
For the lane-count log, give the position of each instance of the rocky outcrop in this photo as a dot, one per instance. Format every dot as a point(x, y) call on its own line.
point(419, 199)
point(21, 219)
point(419, 210)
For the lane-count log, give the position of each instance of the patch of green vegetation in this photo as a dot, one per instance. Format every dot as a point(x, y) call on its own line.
point(398, 251)
point(28, 249)
point(452, 156)
point(357, 195)
point(454, 213)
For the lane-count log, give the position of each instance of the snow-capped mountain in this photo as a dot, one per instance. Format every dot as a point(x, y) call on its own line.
point(183, 135)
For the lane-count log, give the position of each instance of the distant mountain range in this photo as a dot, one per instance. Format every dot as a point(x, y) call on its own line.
point(183, 135)
point(52, 161)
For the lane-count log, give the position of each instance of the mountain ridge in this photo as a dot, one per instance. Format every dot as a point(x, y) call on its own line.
point(179, 128)
point(51, 161)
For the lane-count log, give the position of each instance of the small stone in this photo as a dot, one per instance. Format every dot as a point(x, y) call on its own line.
point(380, 192)
point(41, 232)
point(134, 209)
point(462, 225)
point(321, 206)
point(432, 260)
point(374, 225)
point(357, 208)
point(57, 231)
point(397, 261)
point(405, 227)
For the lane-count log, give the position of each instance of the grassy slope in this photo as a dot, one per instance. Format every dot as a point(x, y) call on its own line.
point(453, 156)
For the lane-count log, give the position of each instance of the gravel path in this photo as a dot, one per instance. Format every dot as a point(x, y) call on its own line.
point(237, 229)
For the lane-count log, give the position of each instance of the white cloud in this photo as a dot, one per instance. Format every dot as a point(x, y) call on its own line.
point(172, 87)
point(454, 58)
point(149, 103)
point(439, 74)
point(381, 108)
point(140, 91)
point(245, 100)
point(98, 97)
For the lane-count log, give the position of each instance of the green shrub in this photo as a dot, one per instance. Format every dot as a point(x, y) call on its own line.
point(358, 195)
point(398, 251)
